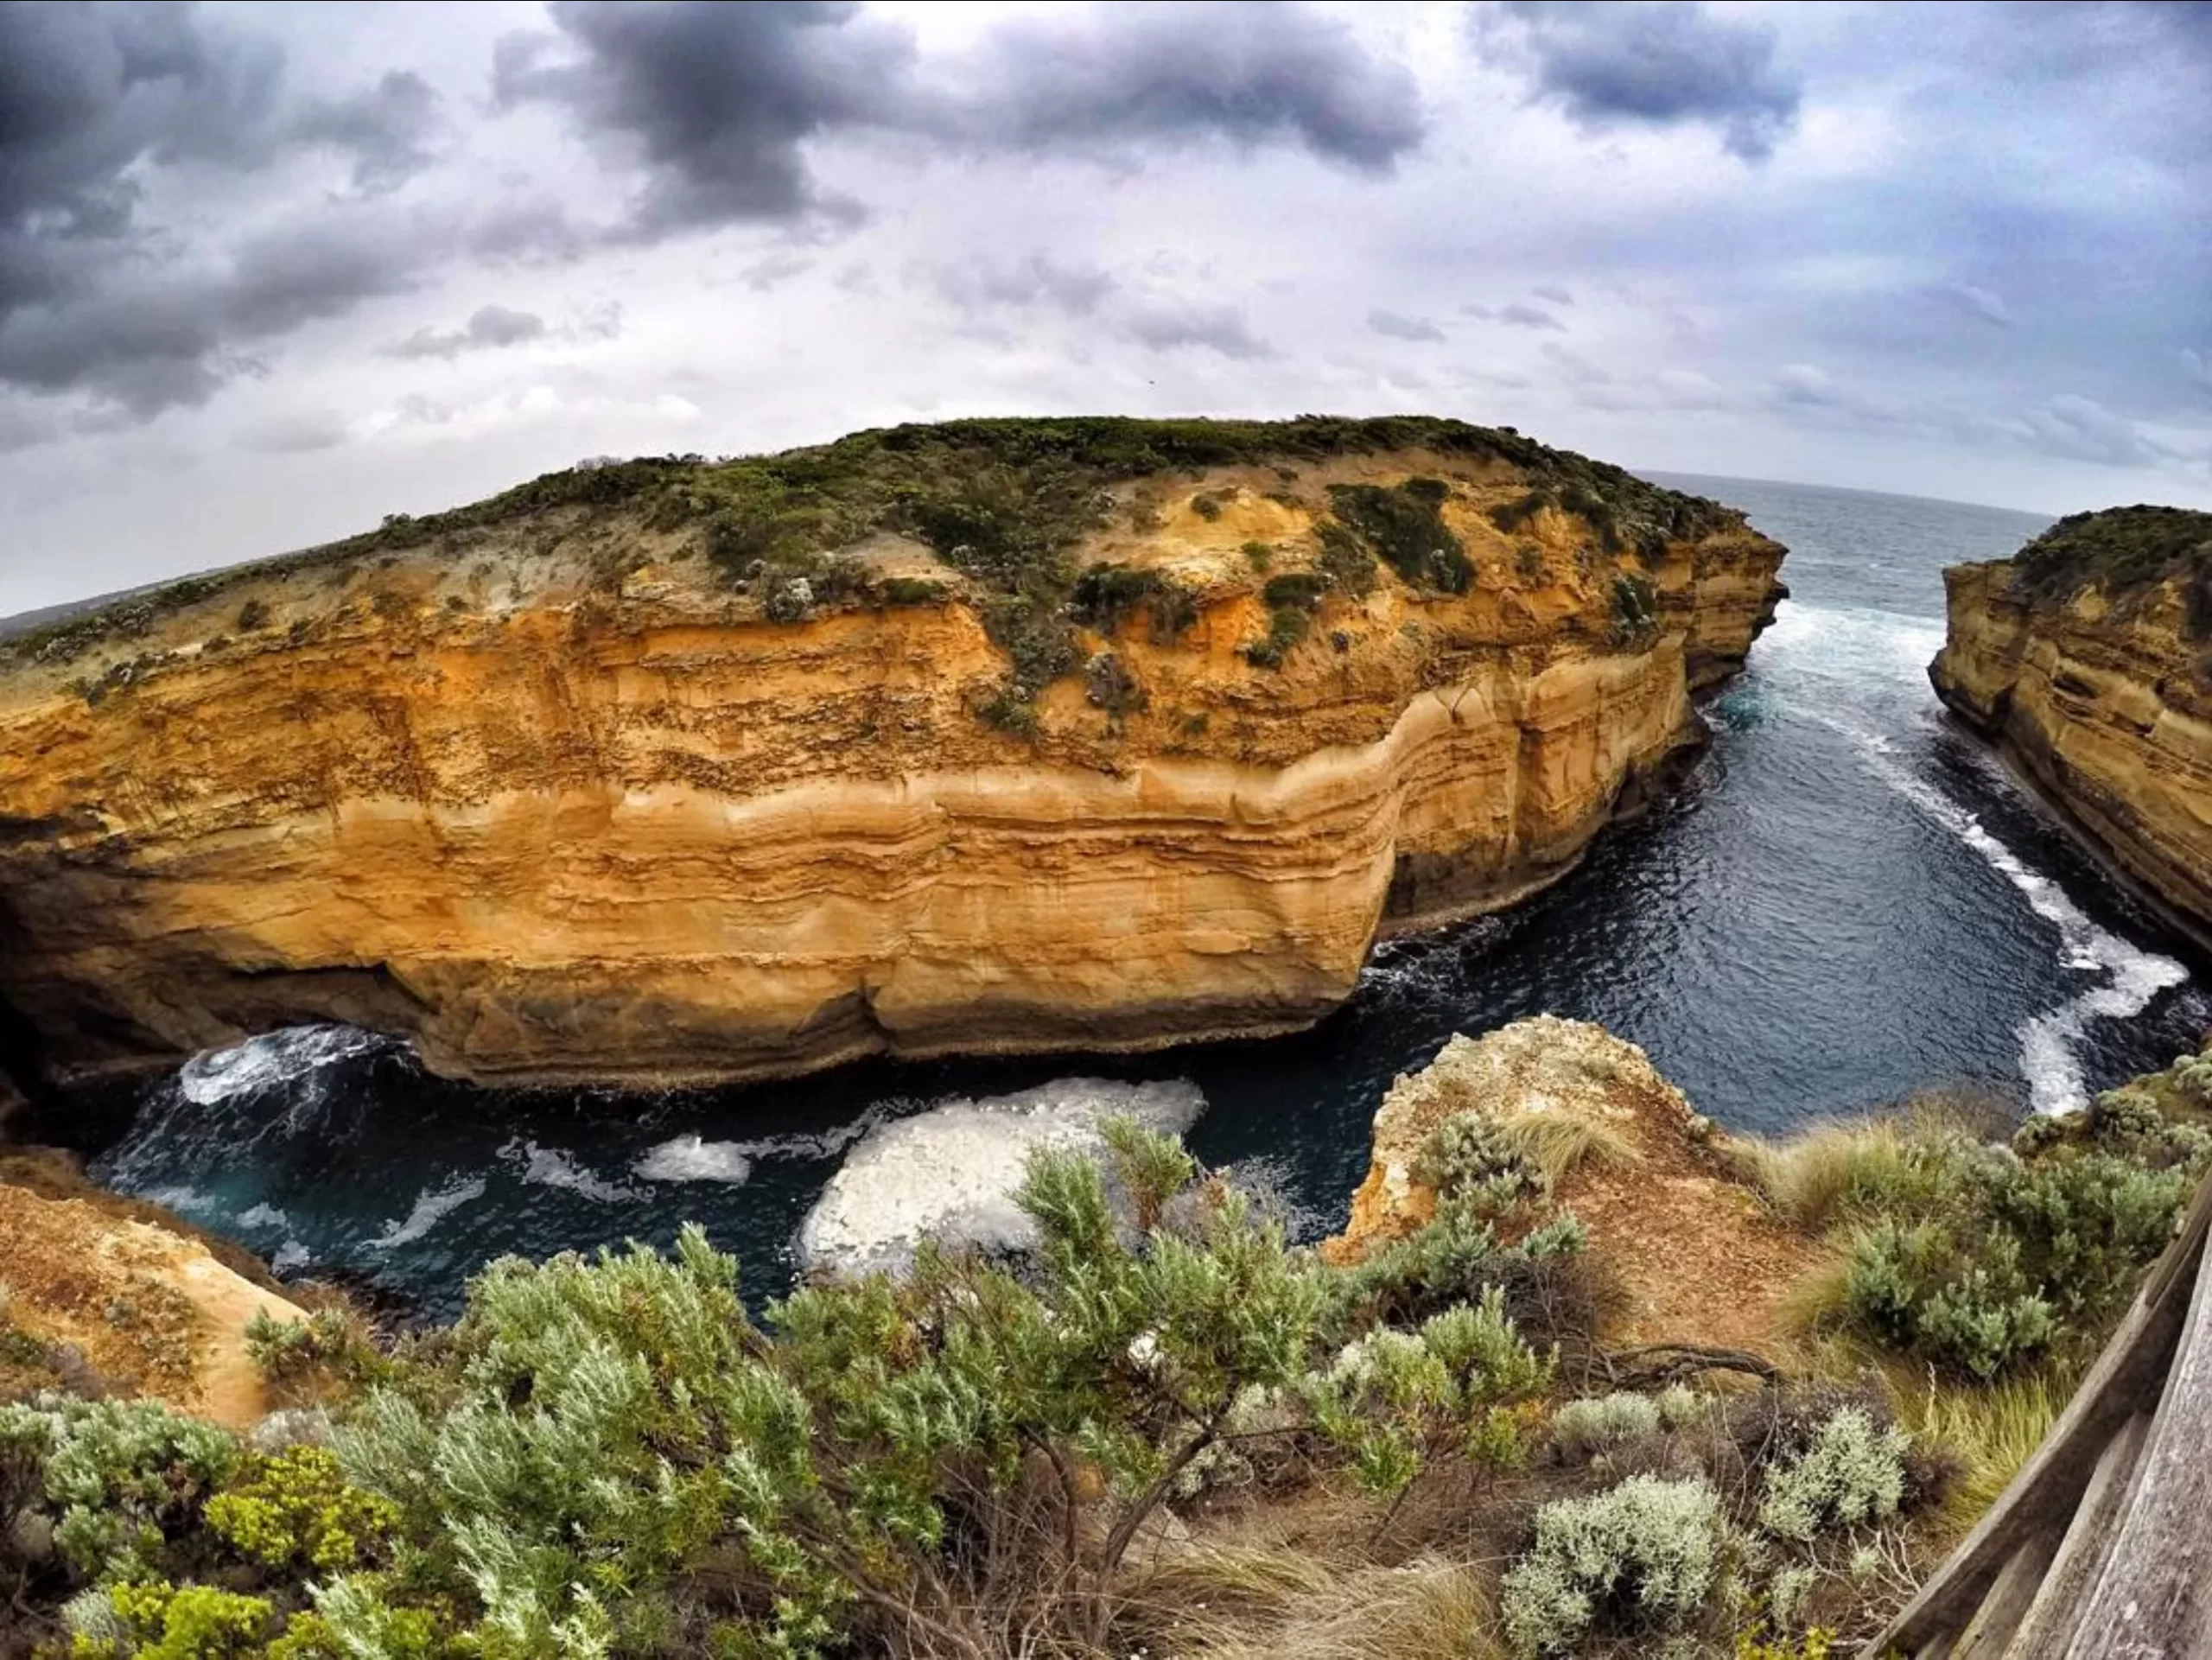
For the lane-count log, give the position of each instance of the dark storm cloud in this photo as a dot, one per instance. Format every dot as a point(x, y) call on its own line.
point(1557, 296)
point(1615, 62)
point(154, 338)
point(487, 329)
point(1251, 74)
point(386, 130)
point(95, 300)
point(1399, 326)
point(717, 102)
point(87, 92)
point(716, 99)
point(1169, 325)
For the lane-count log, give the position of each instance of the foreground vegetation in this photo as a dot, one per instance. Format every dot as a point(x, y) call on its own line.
point(1163, 1431)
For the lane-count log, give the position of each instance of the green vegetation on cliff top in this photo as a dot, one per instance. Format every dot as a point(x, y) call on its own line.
point(1002, 501)
point(2122, 549)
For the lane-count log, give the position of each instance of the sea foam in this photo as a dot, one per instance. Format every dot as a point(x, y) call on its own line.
point(950, 1173)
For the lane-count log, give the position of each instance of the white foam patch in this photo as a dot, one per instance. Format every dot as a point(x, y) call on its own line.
point(263, 1216)
point(290, 1257)
point(277, 1057)
point(950, 1173)
point(2050, 1043)
point(692, 1158)
point(185, 1201)
point(689, 1157)
point(432, 1207)
point(549, 1167)
point(1848, 645)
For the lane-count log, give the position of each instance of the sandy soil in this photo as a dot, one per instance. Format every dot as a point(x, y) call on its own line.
point(152, 1310)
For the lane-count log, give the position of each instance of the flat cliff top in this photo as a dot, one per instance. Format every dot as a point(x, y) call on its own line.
point(1037, 523)
point(2119, 549)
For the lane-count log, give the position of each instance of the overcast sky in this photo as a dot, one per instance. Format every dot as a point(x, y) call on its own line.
point(269, 274)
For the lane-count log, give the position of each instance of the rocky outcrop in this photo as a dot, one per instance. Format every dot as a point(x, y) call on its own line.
point(148, 1305)
point(2100, 694)
point(577, 784)
point(1698, 1259)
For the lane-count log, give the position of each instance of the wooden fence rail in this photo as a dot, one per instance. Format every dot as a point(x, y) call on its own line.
point(2101, 1547)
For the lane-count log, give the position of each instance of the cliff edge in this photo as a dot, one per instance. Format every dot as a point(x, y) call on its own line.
point(989, 735)
point(2087, 658)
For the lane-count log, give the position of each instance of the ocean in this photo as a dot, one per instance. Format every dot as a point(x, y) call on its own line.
point(1849, 902)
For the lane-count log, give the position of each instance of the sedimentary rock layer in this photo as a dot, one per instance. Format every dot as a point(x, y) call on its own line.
point(2104, 705)
point(556, 800)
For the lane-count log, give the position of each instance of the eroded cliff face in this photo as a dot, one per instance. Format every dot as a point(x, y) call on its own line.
point(2104, 705)
point(555, 800)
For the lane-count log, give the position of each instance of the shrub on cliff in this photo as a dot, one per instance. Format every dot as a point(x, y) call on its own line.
point(1640, 1558)
point(608, 1456)
point(2005, 1259)
point(2122, 548)
point(1404, 526)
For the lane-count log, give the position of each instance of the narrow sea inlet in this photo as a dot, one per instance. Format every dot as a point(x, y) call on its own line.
point(1848, 902)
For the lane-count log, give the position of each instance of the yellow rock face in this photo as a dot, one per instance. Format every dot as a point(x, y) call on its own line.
point(556, 824)
point(2105, 709)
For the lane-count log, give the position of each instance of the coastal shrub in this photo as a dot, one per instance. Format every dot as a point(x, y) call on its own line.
point(1301, 588)
point(1206, 506)
point(295, 1510)
point(157, 1620)
point(1636, 614)
point(1978, 1257)
point(1403, 525)
point(1582, 1428)
point(1918, 1288)
point(867, 1466)
point(1346, 560)
point(1105, 594)
point(1108, 684)
point(1640, 1558)
point(2126, 1115)
point(1287, 626)
point(1511, 516)
point(112, 1478)
point(2042, 1131)
point(1392, 1398)
point(1259, 555)
point(911, 590)
point(2120, 548)
point(327, 1349)
point(1853, 1473)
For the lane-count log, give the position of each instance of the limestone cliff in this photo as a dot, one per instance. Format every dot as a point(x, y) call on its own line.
point(985, 736)
point(2085, 659)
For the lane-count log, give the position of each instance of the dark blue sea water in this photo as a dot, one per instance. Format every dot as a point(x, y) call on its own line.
point(1849, 902)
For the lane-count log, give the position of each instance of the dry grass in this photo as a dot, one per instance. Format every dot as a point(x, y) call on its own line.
point(1990, 1430)
point(1259, 1602)
point(1558, 1143)
point(1812, 1179)
point(1849, 1168)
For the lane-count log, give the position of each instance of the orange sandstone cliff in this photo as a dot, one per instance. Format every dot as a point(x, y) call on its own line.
point(2088, 659)
point(997, 735)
